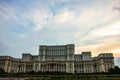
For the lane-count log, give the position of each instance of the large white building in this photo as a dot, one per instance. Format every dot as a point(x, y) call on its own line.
point(58, 58)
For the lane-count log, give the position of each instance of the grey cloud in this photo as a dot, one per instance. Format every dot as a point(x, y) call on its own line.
point(82, 20)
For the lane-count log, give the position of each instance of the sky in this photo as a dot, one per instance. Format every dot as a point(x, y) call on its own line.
point(92, 25)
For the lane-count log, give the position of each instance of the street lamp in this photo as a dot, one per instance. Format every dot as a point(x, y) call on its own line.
point(95, 68)
point(19, 65)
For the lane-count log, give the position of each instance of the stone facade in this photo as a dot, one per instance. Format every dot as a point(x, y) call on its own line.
point(58, 58)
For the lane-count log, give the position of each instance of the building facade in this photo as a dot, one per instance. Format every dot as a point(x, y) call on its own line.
point(58, 58)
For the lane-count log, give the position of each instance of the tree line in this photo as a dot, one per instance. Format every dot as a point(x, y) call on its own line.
point(115, 70)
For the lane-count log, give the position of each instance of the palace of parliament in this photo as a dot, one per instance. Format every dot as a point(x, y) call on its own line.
point(58, 58)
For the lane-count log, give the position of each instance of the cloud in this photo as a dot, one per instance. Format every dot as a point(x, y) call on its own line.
point(64, 16)
point(40, 18)
point(104, 31)
point(88, 24)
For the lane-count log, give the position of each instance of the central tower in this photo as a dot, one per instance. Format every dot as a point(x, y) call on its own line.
point(60, 54)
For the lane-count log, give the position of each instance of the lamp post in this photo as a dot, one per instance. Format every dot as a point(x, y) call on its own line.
point(95, 69)
point(19, 66)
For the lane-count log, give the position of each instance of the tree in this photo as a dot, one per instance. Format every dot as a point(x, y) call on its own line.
point(116, 69)
point(2, 71)
point(111, 70)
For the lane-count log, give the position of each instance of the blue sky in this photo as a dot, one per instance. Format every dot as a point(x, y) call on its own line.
point(91, 25)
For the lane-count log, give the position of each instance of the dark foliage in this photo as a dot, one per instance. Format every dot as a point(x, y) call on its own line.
point(2, 71)
point(114, 70)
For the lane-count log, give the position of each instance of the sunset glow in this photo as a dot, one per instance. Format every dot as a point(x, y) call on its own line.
point(91, 25)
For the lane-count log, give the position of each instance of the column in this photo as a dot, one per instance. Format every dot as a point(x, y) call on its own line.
point(24, 67)
point(57, 66)
point(49, 67)
point(41, 67)
point(60, 67)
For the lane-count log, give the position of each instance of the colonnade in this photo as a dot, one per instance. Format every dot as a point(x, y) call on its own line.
point(53, 67)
